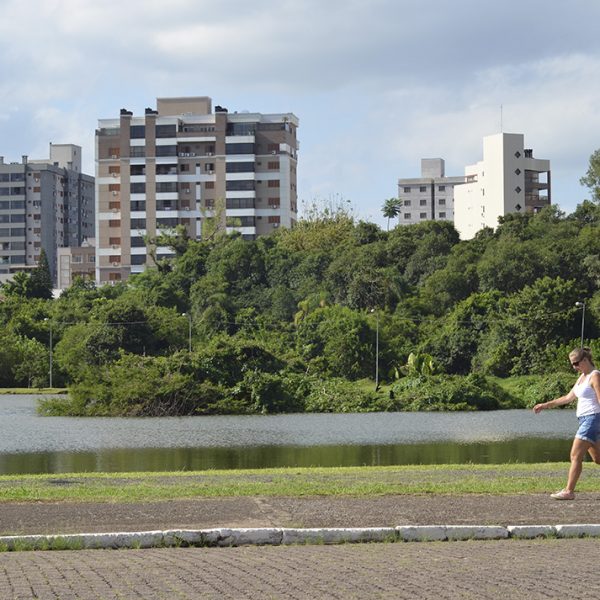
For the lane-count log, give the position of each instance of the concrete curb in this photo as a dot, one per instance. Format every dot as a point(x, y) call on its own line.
point(275, 536)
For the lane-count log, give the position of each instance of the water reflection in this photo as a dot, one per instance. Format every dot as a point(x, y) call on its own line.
point(192, 459)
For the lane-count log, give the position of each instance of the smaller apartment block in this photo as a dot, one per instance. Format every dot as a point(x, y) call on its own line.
point(45, 204)
point(184, 164)
point(429, 197)
point(508, 179)
point(79, 261)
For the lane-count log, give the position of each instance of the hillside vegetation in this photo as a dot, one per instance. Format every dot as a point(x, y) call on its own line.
point(289, 322)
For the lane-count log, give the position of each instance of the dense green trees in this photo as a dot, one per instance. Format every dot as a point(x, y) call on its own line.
point(289, 321)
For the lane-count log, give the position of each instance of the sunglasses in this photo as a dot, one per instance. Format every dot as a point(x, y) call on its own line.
point(575, 363)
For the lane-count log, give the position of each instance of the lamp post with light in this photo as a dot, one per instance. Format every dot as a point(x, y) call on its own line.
point(374, 310)
point(581, 305)
point(50, 369)
point(189, 316)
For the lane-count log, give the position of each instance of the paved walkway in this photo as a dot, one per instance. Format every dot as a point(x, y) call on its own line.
point(441, 570)
point(314, 511)
point(549, 568)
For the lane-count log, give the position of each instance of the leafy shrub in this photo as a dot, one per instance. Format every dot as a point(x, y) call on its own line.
point(543, 388)
point(341, 396)
point(448, 392)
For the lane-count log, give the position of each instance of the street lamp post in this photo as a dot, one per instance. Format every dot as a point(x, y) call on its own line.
point(50, 369)
point(582, 306)
point(189, 316)
point(373, 310)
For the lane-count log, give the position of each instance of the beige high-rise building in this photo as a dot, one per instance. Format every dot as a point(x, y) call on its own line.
point(185, 164)
point(508, 179)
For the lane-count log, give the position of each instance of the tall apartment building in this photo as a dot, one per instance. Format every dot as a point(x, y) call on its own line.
point(429, 197)
point(184, 164)
point(47, 203)
point(507, 180)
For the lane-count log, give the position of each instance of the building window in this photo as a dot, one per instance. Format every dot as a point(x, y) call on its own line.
point(240, 203)
point(138, 188)
point(166, 150)
point(114, 223)
point(422, 202)
point(407, 190)
point(273, 183)
point(138, 259)
point(273, 165)
point(423, 188)
point(239, 167)
point(166, 131)
point(441, 188)
point(241, 185)
point(138, 223)
point(137, 170)
point(274, 202)
point(442, 215)
point(442, 201)
point(407, 215)
point(275, 219)
point(209, 185)
point(137, 151)
point(239, 148)
point(137, 132)
point(240, 221)
point(166, 187)
point(407, 203)
point(422, 215)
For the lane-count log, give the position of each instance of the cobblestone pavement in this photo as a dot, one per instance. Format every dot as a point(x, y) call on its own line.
point(531, 569)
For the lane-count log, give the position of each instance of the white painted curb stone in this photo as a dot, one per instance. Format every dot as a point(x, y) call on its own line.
point(275, 536)
point(339, 535)
point(564, 531)
point(422, 533)
point(475, 532)
point(531, 531)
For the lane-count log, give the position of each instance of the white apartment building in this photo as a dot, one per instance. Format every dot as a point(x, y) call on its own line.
point(44, 204)
point(429, 197)
point(185, 164)
point(507, 180)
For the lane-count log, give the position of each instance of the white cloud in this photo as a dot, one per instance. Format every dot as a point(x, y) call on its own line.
point(377, 84)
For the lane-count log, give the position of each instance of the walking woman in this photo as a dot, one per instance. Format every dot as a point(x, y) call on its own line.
point(587, 439)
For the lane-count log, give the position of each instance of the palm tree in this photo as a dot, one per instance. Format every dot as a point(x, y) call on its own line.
point(391, 209)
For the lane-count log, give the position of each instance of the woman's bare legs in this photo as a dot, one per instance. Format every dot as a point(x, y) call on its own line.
point(578, 452)
point(595, 452)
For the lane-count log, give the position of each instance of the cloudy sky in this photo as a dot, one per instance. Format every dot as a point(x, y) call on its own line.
point(376, 84)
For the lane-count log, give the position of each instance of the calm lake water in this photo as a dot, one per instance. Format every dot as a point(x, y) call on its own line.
point(30, 443)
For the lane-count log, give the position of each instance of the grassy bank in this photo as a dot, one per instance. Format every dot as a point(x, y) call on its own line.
point(348, 481)
point(33, 390)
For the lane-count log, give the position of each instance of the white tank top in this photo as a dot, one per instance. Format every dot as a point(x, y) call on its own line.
point(587, 402)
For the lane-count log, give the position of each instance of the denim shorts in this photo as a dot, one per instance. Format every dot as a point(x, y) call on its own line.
point(589, 428)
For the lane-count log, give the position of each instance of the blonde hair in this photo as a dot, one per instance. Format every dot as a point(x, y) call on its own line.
point(581, 353)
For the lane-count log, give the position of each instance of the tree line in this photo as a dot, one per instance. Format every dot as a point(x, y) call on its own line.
point(296, 320)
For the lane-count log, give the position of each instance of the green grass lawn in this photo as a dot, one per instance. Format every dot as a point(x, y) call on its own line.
point(347, 481)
